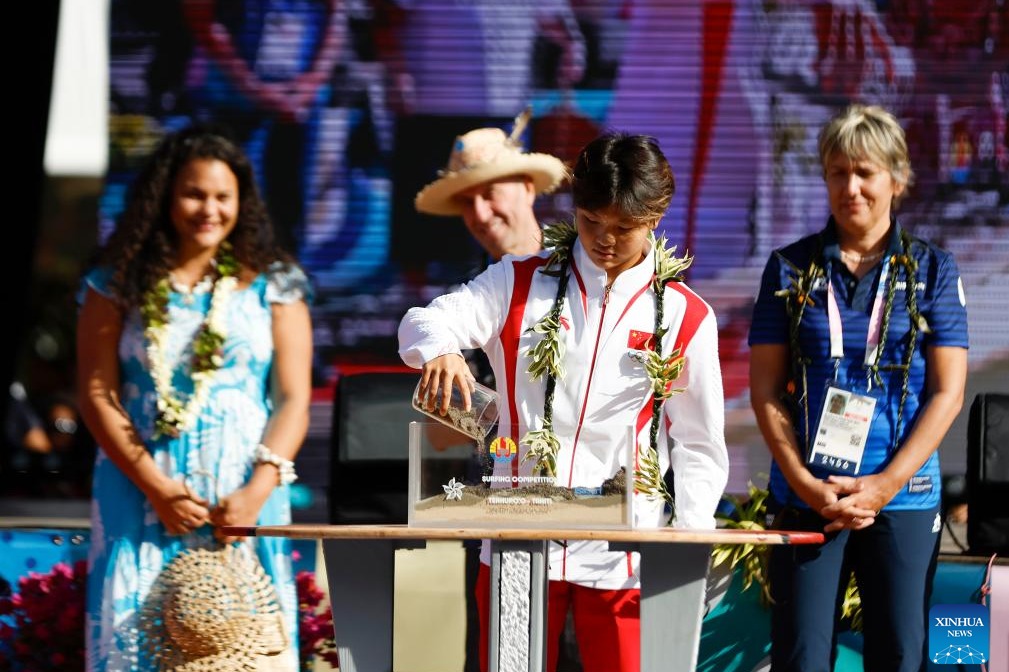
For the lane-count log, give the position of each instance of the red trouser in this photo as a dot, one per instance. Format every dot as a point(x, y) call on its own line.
point(607, 624)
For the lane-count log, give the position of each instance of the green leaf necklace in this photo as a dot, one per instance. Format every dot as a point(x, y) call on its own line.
point(797, 299)
point(546, 357)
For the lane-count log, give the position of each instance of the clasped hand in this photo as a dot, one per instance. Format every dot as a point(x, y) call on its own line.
point(182, 511)
point(240, 508)
point(849, 502)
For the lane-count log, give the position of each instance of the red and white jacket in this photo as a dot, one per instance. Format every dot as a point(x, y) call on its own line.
point(604, 389)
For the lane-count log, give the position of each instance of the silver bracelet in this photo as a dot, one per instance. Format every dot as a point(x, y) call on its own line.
point(285, 468)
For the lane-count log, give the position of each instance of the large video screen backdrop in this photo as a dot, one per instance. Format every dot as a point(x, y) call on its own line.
point(349, 107)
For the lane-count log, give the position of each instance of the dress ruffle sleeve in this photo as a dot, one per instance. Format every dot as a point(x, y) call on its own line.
point(97, 279)
point(287, 283)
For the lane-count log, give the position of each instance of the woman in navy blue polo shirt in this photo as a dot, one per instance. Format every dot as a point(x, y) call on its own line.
point(873, 319)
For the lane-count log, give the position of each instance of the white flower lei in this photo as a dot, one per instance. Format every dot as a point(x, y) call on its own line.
point(174, 415)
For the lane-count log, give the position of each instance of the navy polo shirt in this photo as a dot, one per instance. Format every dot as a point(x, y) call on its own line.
point(940, 300)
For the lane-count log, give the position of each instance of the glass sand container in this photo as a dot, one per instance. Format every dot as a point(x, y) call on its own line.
point(468, 483)
point(477, 422)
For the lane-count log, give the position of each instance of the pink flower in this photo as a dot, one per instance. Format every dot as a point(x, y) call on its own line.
point(316, 626)
point(48, 615)
point(62, 570)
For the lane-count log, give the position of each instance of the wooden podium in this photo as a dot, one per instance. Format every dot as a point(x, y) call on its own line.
point(674, 564)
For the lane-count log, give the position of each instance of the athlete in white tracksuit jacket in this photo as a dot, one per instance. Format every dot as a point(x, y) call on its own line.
point(604, 390)
point(605, 318)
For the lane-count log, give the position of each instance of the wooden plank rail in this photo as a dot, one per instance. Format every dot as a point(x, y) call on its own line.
point(648, 535)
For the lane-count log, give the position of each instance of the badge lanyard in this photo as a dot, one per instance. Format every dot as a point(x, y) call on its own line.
point(838, 443)
point(875, 324)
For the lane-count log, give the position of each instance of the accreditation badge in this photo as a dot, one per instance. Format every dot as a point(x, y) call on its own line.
point(839, 442)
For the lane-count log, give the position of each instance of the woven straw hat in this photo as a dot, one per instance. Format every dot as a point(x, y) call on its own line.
point(481, 156)
point(214, 611)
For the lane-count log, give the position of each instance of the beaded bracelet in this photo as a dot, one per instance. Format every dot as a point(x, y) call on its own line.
point(285, 468)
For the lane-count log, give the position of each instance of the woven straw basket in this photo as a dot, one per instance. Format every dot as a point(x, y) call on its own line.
point(214, 611)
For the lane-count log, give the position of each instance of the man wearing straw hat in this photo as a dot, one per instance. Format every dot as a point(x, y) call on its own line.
point(492, 184)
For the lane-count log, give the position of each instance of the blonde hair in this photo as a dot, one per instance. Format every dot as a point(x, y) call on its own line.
point(867, 132)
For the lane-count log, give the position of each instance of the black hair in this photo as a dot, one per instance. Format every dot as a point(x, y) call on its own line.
point(628, 172)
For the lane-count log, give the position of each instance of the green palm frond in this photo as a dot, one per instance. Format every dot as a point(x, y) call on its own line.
point(851, 606)
point(748, 514)
point(544, 447)
point(662, 371)
point(801, 283)
point(648, 479)
point(668, 267)
point(547, 356)
point(559, 238)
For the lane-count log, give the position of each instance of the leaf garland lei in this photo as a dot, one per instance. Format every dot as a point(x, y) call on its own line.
point(546, 357)
point(174, 414)
point(797, 298)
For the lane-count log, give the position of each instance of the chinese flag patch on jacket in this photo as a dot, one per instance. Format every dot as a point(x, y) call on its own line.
point(639, 340)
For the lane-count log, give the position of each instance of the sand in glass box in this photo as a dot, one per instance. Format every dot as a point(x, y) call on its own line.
point(491, 481)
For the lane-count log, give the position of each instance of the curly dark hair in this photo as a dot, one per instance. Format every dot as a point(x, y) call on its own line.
point(142, 245)
point(625, 171)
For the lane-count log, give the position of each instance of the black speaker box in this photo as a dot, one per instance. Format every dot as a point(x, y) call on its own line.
point(369, 458)
point(988, 475)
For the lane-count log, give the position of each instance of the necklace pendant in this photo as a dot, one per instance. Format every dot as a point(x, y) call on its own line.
point(861, 258)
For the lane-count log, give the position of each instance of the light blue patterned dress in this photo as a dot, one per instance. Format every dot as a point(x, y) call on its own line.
point(129, 545)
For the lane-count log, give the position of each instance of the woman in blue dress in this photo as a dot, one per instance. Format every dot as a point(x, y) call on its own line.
point(194, 345)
